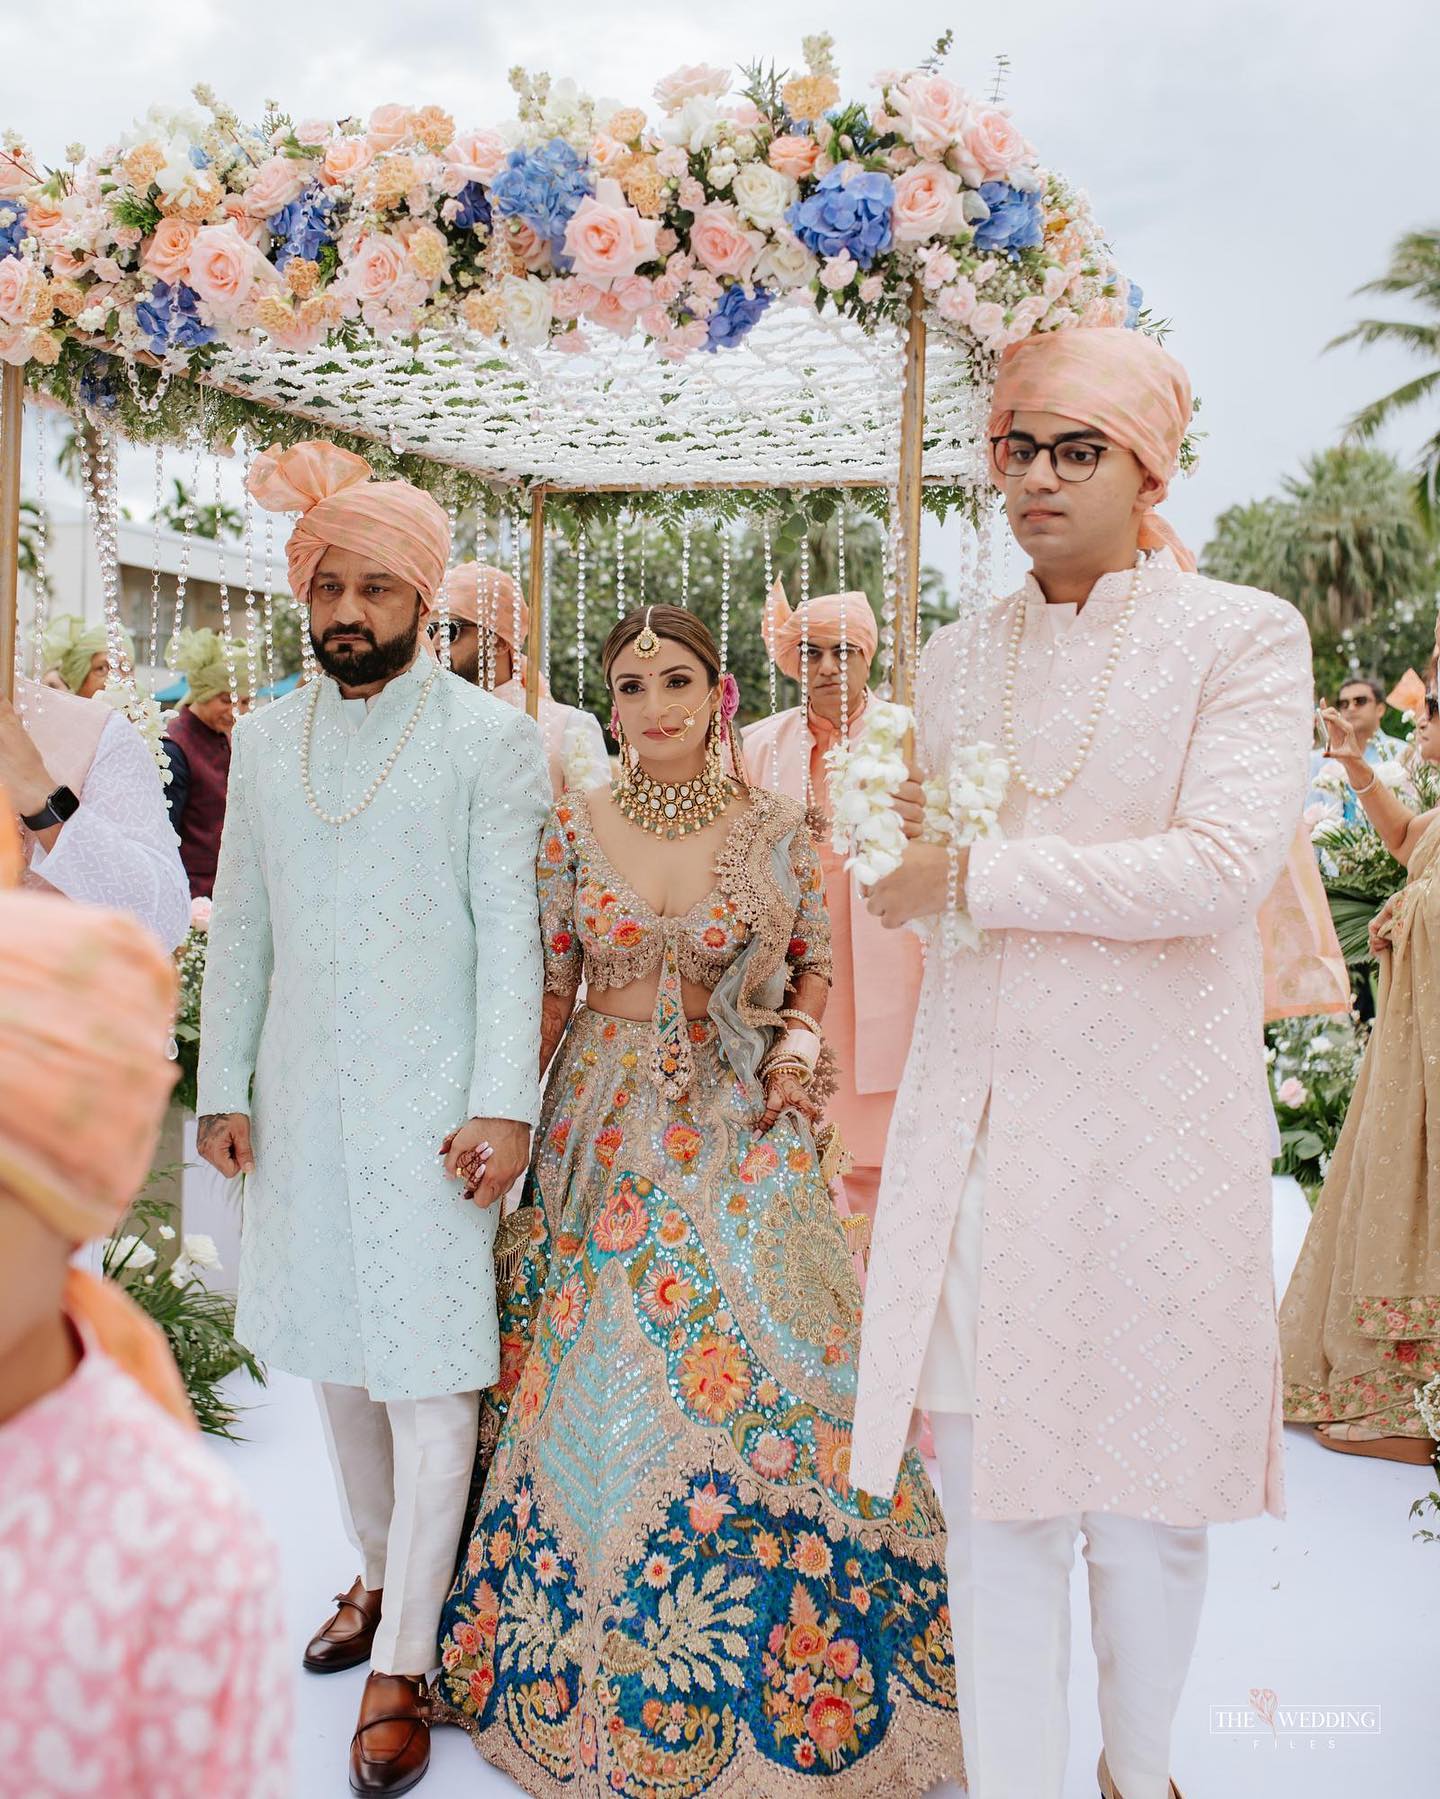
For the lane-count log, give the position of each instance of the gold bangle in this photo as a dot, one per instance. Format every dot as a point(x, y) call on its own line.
point(797, 1069)
point(801, 1018)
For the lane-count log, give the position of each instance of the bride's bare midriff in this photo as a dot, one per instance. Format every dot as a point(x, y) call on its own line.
point(636, 1001)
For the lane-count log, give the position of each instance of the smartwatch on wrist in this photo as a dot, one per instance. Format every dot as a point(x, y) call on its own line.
point(62, 804)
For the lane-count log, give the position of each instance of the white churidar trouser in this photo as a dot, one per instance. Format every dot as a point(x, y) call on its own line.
point(403, 1469)
point(1010, 1612)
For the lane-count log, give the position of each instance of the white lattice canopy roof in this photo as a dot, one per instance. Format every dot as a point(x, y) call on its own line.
point(807, 401)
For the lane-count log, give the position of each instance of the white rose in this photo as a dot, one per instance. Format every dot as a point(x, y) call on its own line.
point(785, 263)
point(133, 1254)
point(201, 1250)
point(695, 127)
point(526, 309)
point(762, 194)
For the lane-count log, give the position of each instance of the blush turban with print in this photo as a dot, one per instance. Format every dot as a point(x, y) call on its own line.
point(1116, 381)
point(340, 507)
point(822, 621)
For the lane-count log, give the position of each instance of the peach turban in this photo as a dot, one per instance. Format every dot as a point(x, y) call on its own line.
point(1117, 381)
point(475, 587)
point(825, 617)
point(339, 505)
point(87, 1000)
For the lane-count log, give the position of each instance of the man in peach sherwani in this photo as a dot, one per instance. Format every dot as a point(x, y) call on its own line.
point(876, 988)
point(489, 620)
point(1072, 1262)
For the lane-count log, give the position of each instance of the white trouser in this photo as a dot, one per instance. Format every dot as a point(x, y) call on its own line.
point(403, 1467)
point(1010, 1612)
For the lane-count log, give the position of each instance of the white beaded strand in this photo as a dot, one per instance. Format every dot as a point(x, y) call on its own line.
point(805, 651)
point(252, 614)
point(156, 502)
point(187, 544)
point(580, 569)
point(620, 601)
point(517, 639)
point(724, 596)
point(685, 526)
point(220, 569)
point(267, 604)
point(344, 818)
point(40, 612)
point(549, 598)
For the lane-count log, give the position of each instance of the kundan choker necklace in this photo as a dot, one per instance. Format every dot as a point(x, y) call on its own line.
point(671, 809)
point(344, 818)
point(1049, 790)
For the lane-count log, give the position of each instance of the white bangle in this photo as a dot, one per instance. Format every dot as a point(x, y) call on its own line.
point(1359, 792)
point(804, 1046)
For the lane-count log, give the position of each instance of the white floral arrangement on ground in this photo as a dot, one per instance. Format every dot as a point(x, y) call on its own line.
point(685, 222)
point(145, 714)
point(961, 808)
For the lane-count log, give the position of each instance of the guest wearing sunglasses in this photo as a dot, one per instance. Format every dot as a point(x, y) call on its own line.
point(1361, 705)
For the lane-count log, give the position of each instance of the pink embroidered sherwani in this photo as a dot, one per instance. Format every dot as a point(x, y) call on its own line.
point(141, 1643)
point(1127, 1355)
point(876, 988)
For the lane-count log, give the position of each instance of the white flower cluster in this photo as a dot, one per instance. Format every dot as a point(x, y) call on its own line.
point(133, 1255)
point(145, 714)
point(1427, 1404)
point(965, 809)
point(583, 768)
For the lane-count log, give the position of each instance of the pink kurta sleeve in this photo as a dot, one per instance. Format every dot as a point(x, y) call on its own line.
point(1240, 795)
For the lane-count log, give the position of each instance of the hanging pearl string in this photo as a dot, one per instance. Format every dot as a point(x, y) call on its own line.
point(488, 553)
point(1049, 790)
point(768, 554)
point(157, 501)
point(685, 562)
point(549, 597)
point(40, 616)
point(517, 631)
point(724, 596)
point(252, 616)
point(108, 543)
point(844, 668)
point(580, 620)
point(267, 608)
point(220, 569)
point(344, 818)
point(187, 539)
point(644, 550)
point(620, 566)
point(840, 547)
point(890, 609)
point(805, 648)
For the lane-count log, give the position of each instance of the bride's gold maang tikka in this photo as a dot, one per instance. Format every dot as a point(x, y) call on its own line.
point(647, 644)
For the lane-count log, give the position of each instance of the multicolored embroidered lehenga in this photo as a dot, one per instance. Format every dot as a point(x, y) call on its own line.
point(671, 1588)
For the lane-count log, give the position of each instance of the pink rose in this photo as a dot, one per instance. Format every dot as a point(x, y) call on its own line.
point(666, 289)
point(45, 221)
point(344, 159)
point(690, 83)
point(21, 285)
point(1291, 1093)
point(718, 241)
point(666, 242)
point(792, 155)
point(313, 131)
point(838, 271)
point(938, 264)
point(275, 184)
point(605, 238)
point(608, 311)
point(988, 323)
point(671, 163)
point(389, 126)
point(871, 288)
point(573, 343)
point(232, 211)
point(692, 193)
point(932, 113)
point(532, 249)
point(990, 146)
point(14, 344)
point(166, 253)
point(571, 298)
point(634, 292)
point(655, 322)
point(200, 914)
point(375, 268)
point(957, 302)
point(224, 270)
point(476, 156)
point(927, 204)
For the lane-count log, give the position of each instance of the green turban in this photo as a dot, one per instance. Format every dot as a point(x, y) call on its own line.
point(200, 657)
point(71, 645)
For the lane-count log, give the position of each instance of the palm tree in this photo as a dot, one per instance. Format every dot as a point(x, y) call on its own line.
point(1414, 272)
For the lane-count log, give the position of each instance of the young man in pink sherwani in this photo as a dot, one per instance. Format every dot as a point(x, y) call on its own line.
point(1072, 1263)
point(876, 986)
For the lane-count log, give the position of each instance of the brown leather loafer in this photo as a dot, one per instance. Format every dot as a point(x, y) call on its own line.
point(390, 1749)
point(344, 1640)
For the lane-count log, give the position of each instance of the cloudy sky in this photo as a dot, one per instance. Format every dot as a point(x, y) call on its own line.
point(1251, 160)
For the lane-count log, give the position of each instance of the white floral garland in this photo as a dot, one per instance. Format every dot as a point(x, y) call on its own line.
point(583, 769)
point(145, 714)
point(961, 807)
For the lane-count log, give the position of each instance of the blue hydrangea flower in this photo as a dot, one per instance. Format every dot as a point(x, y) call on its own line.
point(851, 215)
point(303, 226)
point(99, 389)
point(734, 317)
point(474, 208)
point(1016, 221)
point(544, 187)
point(1134, 300)
point(199, 159)
point(14, 230)
point(168, 319)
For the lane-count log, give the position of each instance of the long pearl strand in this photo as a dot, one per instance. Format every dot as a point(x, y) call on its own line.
point(345, 817)
point(1049, 790)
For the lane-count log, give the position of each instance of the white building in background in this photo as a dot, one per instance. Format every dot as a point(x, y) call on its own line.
point(73, 566)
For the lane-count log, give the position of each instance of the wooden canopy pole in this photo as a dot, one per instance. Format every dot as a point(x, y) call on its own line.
point(12, 419)
point(912, 456)
point(535, 647)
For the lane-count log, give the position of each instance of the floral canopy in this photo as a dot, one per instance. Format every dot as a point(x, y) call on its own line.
point(708, 293)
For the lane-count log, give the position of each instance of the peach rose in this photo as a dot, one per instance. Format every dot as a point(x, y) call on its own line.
point(43, 220)
point(275, 184)
point(718, 241)
point(224, 270)
point(792, 155)
point(375, 268)
point(927, 204)
point(22, 287)
point(233, 211)
point(476, 156)
point(389, 126)
point(990, 146)
point(932, 113)
point(167, 253)
point(606, 151)
point(607, 240)
point(526, 243)
point(344, 159)
point(609, 312)
point(14, 344)
point(313, 131)
point(285, 327)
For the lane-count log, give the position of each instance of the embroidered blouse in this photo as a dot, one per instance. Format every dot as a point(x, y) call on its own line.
point(765, 918)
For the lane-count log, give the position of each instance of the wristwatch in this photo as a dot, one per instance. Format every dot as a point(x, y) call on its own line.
point(62, 804)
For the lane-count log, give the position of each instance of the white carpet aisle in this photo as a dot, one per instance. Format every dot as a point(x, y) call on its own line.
point(1333, 1609)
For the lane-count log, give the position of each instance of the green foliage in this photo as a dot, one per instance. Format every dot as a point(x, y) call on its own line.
point(213, 520)
point(1323, 1056)
point(136, 214)
point(199, 1325)
point(187, 1019)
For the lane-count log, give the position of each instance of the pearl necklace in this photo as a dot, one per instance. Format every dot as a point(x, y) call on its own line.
point(344, 818)
point(1049, 790)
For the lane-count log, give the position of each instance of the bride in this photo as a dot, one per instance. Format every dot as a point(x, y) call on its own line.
point(671, 1587)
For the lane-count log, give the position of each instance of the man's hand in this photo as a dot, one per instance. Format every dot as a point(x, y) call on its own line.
point(223, 1138)
point(488, 1155)
point(23, 773)
point(919, 887)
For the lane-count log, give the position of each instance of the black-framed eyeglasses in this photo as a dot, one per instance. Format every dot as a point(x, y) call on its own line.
point(1072, 458)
